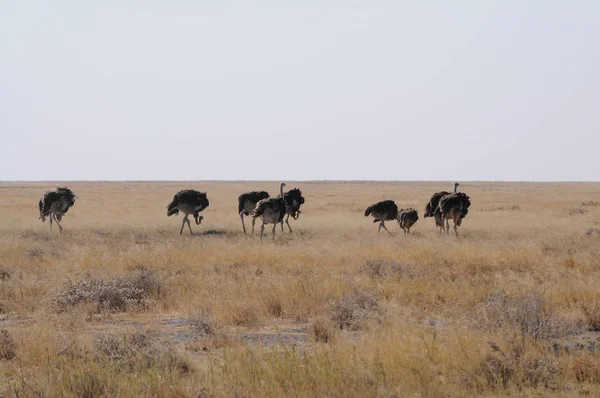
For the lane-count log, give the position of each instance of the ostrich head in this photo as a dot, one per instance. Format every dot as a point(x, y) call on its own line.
point(281, 188)
point(198, 218)
point(456, 184)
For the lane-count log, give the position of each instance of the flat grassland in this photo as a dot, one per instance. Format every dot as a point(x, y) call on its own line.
point(121, 305)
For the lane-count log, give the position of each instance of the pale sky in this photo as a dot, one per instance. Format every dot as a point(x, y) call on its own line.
point(263, 90)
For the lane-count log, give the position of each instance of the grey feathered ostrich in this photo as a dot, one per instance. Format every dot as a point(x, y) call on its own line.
point(189, 202)
point(55, 204)
point(454, 206)
point(271, 210)
point(431, 210)
point(383, 211)
point(407, 218)
point(247, 203)
point(294, 199)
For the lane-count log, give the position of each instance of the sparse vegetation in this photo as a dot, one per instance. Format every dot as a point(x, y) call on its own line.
point(112, 294)
point(121, 305)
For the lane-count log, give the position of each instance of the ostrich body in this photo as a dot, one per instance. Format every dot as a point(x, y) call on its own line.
point(383, 211)
point(294, 199)
point(189, 202)
point(454, 206)
point(431, 210)
point(55, 204)
point(247, 203)
point(407, 218)
point(271, 210)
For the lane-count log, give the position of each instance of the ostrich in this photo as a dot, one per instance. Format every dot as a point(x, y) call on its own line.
point(432, 206)
point(407, 218)
point(271, 210)
point(247, 203)
point(55, 204)
point(383, 211)
point(294, 200)
point(189, 202)
point(454, 206)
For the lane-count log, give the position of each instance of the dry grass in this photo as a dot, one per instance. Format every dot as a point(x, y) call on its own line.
point(121, 305)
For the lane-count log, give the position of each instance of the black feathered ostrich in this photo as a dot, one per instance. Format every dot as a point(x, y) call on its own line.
point(454, 206)
point(55, 204)
point(387, 210)
point(189, 202)
point(383, 211)
point(407, 218)
point(271, 210)
point(247, 203)
point(432, 207)
point(294, 199)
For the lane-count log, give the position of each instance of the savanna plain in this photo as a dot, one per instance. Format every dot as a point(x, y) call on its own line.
point(121, 305)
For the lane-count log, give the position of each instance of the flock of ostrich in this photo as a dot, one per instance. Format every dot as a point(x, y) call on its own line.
point(443, 207)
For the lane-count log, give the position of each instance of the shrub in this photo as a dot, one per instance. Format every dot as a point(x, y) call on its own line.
point(500, 368)
point(528, 315)
point(112, 294)
point(203, 325)
point(353, 309)
point(388, 269)
point(592, 316)
point(8, 348)
point(5, 274)
point(577, 212)
point(320, 330)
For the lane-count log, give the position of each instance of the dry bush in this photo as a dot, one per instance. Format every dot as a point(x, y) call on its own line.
point(139, 352)
point(587, 369)
point(274, 306)
point(321, 330)
point(592, 231)
point(503, 208)
point(590, 203)
point(5, 274)
point(577, 212)
point(112, 294)
point(353, 310)
point(8, 347)
point(245, 316)
point(203, 324)
point(388, 269)
point(528, 315)
point(500, 369)
point(591, 311)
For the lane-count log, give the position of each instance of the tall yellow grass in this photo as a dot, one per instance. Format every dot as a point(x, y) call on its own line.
point(424, 339)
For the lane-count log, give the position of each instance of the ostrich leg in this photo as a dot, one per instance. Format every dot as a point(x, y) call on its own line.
point(243, 225)
point(288, 224)
point(189, 224)
point(57, 223)
point(275, 226)
point(182, 225)
point(51, 223)
point(262, 230)
point(382, 224)
point(253, 222)
point(447, 226)
point(455, 228)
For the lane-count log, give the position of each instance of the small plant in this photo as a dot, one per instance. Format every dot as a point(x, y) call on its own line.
point(592, 315)
point(590, 203)
point(321, 330)
point(528, 315)
point(353, 309)
point(203, 325)
point(113, 294)
point(577, 212)
point(7, 345)
point(377, 269)
point(5, 274)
